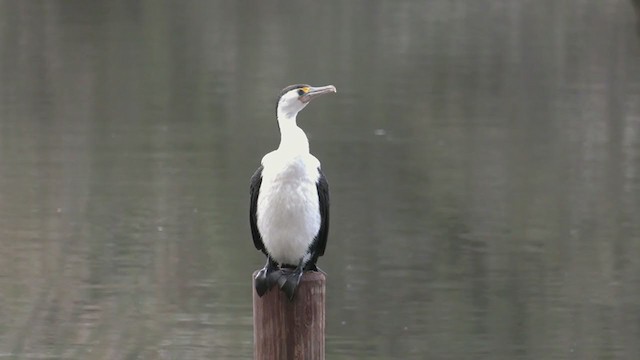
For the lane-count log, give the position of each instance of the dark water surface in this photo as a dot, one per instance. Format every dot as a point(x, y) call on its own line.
point(483, 156)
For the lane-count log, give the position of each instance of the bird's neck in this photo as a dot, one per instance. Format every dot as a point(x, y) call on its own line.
point(292, 138)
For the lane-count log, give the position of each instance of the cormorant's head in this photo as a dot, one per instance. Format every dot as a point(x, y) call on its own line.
point(294, 98)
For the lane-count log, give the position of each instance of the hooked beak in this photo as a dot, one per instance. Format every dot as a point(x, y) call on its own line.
point(314, 92)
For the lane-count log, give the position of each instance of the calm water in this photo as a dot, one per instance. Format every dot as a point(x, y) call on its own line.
point(483, 156)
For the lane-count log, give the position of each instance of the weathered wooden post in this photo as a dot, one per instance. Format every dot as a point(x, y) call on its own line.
point(290, 330)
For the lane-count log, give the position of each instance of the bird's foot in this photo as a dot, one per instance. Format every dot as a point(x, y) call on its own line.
point(289, 281)
point(267, 277)
point(315, 268)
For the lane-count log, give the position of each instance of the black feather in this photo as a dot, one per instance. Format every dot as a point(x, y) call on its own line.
point(320, 242)
point(254, 189)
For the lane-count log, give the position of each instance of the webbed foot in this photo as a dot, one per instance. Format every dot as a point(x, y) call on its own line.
point(289, 281)
point(313, 267)
point(267, 277)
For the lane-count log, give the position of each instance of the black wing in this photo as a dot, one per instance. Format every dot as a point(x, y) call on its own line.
point(323, 198)
point(254, 189)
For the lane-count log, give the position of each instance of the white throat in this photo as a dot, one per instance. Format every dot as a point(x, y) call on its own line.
point(293, 140)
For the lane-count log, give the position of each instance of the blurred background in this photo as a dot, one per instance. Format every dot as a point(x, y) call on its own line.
point(483, 157)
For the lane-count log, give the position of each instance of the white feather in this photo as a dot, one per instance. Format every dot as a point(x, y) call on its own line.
point(288, 212)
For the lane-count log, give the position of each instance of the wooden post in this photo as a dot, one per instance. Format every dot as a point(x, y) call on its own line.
point(290, 330)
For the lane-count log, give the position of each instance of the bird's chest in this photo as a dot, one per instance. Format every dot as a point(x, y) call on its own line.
point(288, 188)
point(288, 215)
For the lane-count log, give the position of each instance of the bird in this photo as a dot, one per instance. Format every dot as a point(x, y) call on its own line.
point(289, 206)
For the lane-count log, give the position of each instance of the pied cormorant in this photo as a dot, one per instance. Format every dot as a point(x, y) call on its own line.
point(289, 209)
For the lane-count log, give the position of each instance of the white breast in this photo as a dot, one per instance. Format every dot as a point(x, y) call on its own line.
point(288, 212)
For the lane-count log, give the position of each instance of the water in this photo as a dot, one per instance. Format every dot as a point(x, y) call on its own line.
point(483, 157)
